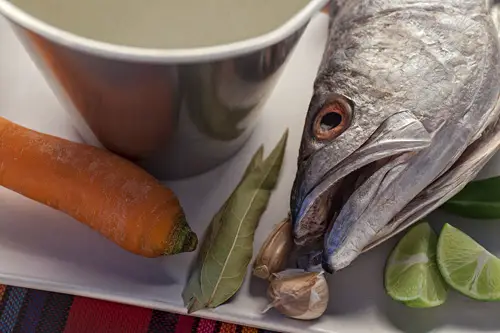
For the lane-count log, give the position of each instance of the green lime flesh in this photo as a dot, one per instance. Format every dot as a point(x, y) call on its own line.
point(467, 266)
point(411, 273)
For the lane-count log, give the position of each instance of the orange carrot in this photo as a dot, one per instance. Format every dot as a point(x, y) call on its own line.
point(102, 190)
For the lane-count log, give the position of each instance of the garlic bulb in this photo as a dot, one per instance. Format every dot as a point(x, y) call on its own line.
point(299, 294)
point(275, 251)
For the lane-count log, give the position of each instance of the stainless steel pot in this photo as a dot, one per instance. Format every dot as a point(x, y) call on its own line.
point(177, 112)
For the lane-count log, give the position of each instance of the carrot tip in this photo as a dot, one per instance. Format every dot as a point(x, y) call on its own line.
point(184, 239)
point(190, 243)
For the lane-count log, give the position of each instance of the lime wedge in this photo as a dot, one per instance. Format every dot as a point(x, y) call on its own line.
point(467, 266)
point(411, 273)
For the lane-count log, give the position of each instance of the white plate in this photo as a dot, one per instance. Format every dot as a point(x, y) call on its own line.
point(44, 249)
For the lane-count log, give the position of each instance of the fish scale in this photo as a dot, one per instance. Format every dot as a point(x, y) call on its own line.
point(434, 64)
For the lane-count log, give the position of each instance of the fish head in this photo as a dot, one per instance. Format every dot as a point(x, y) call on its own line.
point(375, 106)
point(399, 96)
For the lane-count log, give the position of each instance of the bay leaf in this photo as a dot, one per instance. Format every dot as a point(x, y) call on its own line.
point(225, 265)
point(479, 199)
point(192, 294)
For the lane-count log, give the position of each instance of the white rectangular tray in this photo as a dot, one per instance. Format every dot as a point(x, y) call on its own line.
point(44, 249)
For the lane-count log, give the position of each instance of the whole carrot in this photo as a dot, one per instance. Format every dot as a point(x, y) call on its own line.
point(104, 191)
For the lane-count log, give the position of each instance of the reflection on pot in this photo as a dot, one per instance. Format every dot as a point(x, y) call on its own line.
point(173, 120)
point(129, 107)
point(221, 96)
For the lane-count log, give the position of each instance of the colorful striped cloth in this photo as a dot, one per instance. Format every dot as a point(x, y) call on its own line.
point(34, 311)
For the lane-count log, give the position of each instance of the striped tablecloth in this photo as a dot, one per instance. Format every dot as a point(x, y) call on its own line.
point(35, 311)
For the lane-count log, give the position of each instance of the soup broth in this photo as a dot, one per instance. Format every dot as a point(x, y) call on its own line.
point(164, 23)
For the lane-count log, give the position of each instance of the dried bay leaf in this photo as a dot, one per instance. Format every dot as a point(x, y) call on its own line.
point(192, 295)
point(227, 247)
point(226, 263)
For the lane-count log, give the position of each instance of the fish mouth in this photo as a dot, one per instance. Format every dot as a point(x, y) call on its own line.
point(320, 207)
point(317, 217)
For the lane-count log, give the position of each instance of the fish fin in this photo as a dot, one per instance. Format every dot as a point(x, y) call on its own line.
point(445, 187)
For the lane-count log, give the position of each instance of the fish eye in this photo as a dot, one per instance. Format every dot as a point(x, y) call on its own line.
point(332, 119)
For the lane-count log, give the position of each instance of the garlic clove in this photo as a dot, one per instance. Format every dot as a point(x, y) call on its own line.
point(274, 253)
point(299, 294)
point(288, 273)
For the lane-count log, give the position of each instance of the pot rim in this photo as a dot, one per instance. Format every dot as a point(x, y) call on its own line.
point(152, 55)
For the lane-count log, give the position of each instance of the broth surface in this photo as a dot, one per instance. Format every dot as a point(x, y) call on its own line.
point(164, 23)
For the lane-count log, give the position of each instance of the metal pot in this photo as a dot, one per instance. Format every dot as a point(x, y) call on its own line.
point(176, 112)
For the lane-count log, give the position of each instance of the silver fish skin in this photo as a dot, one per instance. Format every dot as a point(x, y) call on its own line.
point(404, 114)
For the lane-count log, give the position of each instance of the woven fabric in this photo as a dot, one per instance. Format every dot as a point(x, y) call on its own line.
point(34, 311)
